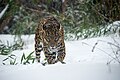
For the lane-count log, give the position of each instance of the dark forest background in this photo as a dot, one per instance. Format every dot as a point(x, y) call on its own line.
point(80, 18)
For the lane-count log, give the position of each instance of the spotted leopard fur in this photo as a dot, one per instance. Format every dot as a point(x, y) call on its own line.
point(49, 38)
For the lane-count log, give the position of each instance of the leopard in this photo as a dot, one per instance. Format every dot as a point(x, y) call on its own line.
point(49, 38)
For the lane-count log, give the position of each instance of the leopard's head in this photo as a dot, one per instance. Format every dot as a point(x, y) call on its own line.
point(52, 32)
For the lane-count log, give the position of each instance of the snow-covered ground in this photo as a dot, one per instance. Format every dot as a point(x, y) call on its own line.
point(81, 62)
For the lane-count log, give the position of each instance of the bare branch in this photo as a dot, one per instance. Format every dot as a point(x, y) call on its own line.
point(102, 51)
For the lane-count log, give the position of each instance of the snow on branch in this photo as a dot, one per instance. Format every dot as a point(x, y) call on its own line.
point(4, 10)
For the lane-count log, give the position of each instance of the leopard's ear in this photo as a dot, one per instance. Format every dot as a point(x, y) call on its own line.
point(57, 23)
point(44, 27)
point(61, 30)
point(43, 24)
point(58, 26)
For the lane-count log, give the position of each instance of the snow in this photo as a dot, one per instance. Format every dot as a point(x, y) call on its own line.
point(62, 72)
point(81, 62)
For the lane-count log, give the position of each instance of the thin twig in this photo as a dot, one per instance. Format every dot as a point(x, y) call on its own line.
point(99, 13)
point(102, 51)
point(33, 10)
point(112, 60)
point(115, 54)
point(109, 43)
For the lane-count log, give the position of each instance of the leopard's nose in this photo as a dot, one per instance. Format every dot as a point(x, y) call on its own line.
point(52, 46)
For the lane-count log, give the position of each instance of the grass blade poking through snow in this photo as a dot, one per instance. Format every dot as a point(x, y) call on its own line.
point(11, 59)
point(7, 49)
point(27, 60)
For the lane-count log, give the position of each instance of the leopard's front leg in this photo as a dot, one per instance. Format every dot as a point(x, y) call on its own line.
point(61, 53)
point(38, 49)
point(49, 57)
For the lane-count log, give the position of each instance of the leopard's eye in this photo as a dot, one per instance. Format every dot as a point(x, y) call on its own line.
point(48, 39)
point(57, 38)
point(56, 33)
